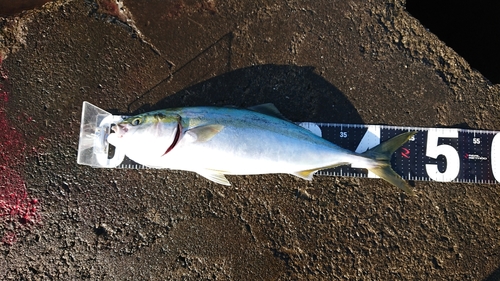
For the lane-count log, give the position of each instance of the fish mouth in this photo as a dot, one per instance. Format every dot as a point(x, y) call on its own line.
point(176, 138)
point(119, 129)
point(122, 128)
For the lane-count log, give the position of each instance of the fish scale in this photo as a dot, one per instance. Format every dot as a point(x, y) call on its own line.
point(433, 154)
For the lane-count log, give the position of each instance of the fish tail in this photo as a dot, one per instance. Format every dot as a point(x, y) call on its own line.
point(382, 155)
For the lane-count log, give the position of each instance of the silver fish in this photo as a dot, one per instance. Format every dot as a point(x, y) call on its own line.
point(218, 141)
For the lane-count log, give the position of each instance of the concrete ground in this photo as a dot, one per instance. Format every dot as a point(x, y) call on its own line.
point(328, 61)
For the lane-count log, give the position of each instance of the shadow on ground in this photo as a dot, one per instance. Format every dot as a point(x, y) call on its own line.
point(297, 91)
point(494, 276)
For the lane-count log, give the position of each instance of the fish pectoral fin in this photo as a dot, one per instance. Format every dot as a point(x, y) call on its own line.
point(307, 174)
point(215, 176)
point(204, 133)
point(268, 109)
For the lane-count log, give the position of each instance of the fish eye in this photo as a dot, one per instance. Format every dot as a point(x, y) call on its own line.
point(136, 121)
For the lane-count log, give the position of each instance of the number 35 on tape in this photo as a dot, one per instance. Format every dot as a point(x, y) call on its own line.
point(433, 154)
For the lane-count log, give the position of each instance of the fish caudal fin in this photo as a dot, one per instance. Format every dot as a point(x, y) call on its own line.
point(382, 155)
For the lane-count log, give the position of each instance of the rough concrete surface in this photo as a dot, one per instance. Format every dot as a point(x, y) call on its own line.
point(329, 61)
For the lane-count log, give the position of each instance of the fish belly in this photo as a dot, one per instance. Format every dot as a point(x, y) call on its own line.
point(240, 151)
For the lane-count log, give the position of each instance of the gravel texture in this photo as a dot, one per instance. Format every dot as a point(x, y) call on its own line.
point(329, 61)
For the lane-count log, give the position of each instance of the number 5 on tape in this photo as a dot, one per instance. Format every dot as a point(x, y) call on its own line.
point(433, 154)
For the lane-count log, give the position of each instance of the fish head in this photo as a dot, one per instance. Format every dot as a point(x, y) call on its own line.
point(147, 137)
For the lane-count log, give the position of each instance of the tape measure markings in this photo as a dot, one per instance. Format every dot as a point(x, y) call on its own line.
point(438, 154)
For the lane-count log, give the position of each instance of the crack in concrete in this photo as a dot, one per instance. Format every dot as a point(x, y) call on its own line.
point(117, 10)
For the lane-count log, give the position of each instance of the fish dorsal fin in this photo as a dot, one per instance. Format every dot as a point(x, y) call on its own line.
point(204, 133)
point(215, 176)
point(267, 109)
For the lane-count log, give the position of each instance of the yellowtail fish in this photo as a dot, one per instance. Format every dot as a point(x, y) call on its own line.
point(218, 141)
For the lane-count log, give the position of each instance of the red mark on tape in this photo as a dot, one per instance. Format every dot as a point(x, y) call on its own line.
point(405, 153)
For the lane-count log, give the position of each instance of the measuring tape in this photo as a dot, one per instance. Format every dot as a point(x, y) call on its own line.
point(433, 154)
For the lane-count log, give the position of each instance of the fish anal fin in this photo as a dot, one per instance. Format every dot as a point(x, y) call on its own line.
point(205, 132)
point(307, 174)
point(215, 176)
point(268, 109)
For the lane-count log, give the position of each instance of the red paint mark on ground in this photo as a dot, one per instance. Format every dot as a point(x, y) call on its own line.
point(18, 212)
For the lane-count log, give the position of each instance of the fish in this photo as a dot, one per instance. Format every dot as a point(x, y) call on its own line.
point(219, 141)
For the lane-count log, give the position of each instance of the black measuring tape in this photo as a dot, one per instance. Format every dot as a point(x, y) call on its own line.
point(433, 154)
